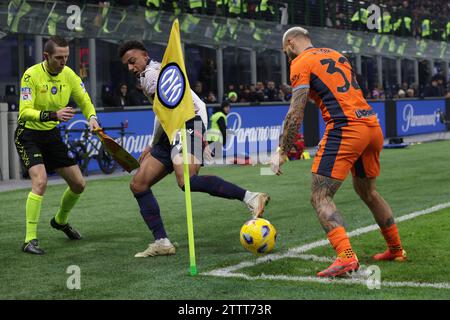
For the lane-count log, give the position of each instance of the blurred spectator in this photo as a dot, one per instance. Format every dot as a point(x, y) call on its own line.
point(211, 98)
point(378, 92)
point(198, 89)
point(441, 82)
point(415, 87)
point(259, 89)
point(401, 93)
point(404, 86)
point(121, 97)
point(410, 93)
point(231, 88)
point(232, 97)
point(271, 93)
point(265, 10)
point(196, 6)
point(245, 94)
point(254, 97)
point(375, 94)
point(103, 9)
point(137, 96)
point(433, 90)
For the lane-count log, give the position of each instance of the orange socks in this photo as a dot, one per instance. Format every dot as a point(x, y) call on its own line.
point(341, 243)
point(392, 238)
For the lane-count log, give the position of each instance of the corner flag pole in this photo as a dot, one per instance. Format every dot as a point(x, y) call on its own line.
point(173, 106)
point(187, 194)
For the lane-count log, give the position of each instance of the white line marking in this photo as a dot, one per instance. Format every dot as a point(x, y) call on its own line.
point(298, 252)
point(312, 257)
point(444, 285)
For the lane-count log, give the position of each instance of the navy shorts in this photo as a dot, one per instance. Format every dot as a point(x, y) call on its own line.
point(163, 149)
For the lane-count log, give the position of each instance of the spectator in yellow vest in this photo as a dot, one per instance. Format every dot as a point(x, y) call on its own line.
point(218, 128)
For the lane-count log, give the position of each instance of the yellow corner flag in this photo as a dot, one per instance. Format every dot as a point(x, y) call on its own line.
point(173, 106)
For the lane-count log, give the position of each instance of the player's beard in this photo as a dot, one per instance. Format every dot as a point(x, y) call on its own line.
point(53, 68)
point(291, 55)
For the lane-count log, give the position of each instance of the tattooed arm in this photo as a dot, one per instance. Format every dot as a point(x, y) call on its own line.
point(294, 119)
point(292, 123)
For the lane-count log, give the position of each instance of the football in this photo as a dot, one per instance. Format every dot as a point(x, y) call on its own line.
point(258, 236)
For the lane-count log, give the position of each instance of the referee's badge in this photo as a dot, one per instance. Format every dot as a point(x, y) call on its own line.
point(25, 93)
point(171, 85)
point(54, 90)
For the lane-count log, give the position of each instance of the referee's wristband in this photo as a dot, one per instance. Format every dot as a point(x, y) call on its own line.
point(46, 116)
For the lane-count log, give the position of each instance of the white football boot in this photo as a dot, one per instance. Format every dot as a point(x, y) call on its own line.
point(256, 202)
point(161, 247)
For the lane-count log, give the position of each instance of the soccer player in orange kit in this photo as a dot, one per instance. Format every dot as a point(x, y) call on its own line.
point(352, 142)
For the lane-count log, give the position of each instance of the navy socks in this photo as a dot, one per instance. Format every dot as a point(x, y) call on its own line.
point(217, 187)
point(212, 185)
point(150, 212)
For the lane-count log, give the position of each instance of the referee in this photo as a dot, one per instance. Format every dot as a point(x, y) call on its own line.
point(44, 94)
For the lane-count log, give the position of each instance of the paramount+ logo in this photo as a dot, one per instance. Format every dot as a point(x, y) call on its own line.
point(412, 120)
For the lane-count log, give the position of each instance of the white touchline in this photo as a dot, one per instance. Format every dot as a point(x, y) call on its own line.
point(444, 285)
point(228, 272)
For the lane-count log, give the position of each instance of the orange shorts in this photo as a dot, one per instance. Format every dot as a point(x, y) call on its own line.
point(355, 147)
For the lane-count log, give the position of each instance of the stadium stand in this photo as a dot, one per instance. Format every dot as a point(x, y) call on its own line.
point(413, 30)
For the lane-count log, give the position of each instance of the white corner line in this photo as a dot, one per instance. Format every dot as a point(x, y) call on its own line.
point(228, 272)
point(394, 284)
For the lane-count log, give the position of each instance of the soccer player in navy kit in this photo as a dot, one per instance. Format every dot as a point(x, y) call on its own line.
point(157, 162)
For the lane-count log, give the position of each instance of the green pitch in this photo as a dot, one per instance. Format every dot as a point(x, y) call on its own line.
point(107, 215)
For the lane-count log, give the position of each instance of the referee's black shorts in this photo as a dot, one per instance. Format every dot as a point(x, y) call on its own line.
point(42, 147)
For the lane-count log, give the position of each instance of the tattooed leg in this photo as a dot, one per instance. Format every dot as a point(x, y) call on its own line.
point(323, 190)
point(382, 212)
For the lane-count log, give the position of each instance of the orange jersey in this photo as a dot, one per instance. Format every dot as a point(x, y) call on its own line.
point(333, 87)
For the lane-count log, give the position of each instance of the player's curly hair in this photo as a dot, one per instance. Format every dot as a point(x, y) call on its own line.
point(130, 45)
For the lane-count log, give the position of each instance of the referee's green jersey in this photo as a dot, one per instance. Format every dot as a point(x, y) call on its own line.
point(40, 92)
